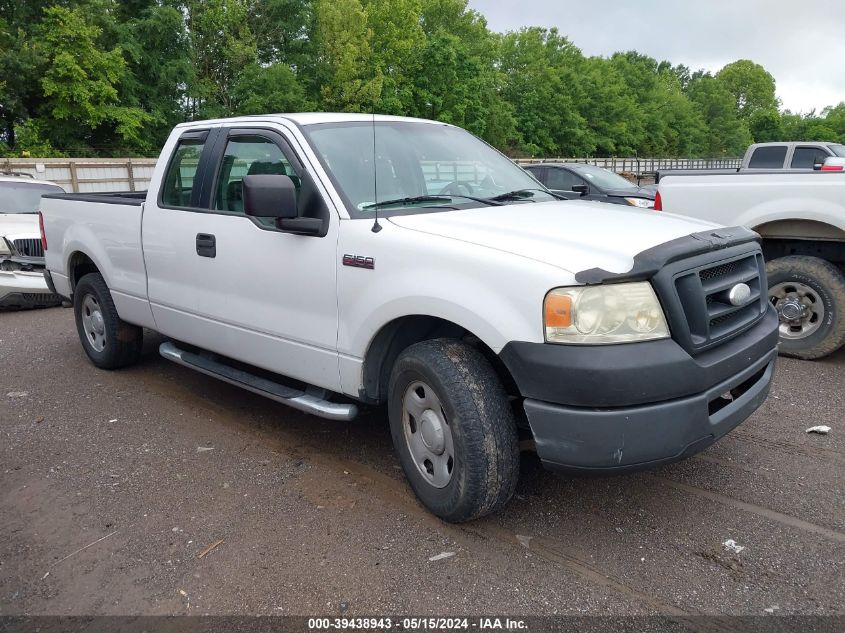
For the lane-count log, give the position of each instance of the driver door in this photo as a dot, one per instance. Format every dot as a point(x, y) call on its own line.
point(237, 285)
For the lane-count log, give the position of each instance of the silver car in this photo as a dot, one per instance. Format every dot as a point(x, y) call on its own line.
point(22, 283)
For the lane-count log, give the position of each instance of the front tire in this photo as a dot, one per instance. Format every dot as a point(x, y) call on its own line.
point(809, 296)
point(108, 341)
point(454, 430)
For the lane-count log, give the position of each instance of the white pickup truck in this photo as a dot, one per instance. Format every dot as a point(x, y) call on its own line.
point(801, 218)
point(325, 260)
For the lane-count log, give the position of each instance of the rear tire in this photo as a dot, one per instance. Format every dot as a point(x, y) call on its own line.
point(109, 342)
point(815, 288)
point(454, 430)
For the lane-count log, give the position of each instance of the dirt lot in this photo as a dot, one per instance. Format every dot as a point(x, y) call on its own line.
point(114, 485)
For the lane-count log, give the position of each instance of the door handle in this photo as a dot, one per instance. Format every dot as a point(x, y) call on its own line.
point(206, 245)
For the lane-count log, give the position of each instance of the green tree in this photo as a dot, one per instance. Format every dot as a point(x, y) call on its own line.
point(541, 68)
point(281, 30)
point(457, 79)
point(396, 44)
point(834, 118)
point(221, 46)
point(685, 130)
point(264, 89)
point(751, 85)
point(727, 135)
point(20, 66)
point(157, 49)
point(613, 116)
point(80, 82)
point(766, 125)
point(347, 77)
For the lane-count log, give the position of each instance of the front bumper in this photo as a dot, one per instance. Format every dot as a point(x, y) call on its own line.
point(625, 407)
point(25, 289)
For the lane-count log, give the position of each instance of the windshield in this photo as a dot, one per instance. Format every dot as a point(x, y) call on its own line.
point(414, 162)
point(838, 150)
point(602, 178)
point(23, 197)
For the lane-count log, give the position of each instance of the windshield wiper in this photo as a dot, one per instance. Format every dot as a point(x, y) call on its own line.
point(518, 194)
point(401, 202)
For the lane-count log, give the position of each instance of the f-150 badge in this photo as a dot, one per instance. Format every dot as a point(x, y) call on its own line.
point(359, 261)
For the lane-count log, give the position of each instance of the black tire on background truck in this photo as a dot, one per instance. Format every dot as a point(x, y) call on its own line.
point(109, 342)
point(809, 296)
point(454, 430)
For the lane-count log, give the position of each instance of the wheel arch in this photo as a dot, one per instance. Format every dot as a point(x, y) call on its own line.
point(402, 332)
point(800, 229)
point(80, 264)
point(782, 238)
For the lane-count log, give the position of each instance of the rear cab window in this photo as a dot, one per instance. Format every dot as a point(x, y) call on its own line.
point(180, 187)
point(769, 157)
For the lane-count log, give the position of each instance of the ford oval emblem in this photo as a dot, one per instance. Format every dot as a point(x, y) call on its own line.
point(739, 294)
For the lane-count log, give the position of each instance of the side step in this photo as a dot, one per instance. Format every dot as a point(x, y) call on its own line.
point(310, 401)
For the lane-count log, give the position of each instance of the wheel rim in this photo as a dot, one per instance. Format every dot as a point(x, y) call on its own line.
point(428, 435)
point(799, 307)
point(93, 323)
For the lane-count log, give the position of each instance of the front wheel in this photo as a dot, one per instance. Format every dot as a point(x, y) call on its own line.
point(808, 294)
point(108, 341)
point(453, 429)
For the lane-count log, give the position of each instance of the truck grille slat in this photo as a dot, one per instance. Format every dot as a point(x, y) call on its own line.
point(29, 247)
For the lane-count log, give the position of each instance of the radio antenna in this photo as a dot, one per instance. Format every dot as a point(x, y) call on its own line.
point(376, 226)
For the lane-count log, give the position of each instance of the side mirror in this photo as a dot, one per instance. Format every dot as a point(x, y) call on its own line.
point(582, 189)
point(269, 196)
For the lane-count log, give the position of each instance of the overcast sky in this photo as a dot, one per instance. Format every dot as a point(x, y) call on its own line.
point(801, 43)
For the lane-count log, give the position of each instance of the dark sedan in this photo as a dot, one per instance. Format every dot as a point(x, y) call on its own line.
point(577, 180)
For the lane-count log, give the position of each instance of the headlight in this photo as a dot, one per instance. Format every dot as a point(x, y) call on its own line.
point(613, 313)
point(642, 203)
point(4, 247)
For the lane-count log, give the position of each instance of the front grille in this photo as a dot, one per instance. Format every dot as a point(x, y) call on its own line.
point(702, 293)
point(29, 247)
point(718, 271)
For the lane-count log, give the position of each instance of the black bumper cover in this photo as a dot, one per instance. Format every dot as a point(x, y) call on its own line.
point(624, 407)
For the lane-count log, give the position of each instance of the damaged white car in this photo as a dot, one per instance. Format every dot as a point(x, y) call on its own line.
point(22, 283)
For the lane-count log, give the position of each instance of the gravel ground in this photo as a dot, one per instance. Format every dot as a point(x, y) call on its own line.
point(156, 490)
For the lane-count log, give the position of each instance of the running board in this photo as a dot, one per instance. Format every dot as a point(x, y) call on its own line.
point(312, 400)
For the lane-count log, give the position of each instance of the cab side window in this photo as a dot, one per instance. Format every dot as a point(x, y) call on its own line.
point(247, 156)
point(181, 176)
point(807, 157)
point(768, 157)
point(562, 179)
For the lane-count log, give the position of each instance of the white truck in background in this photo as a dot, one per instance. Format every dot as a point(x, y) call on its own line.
point(781, 156)
point(324, 260)
point(801, 218)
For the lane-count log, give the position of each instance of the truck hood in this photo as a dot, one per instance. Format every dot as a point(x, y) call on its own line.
point(574, 235)
point(19, 225)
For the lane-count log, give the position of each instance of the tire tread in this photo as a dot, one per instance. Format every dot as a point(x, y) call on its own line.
point(124, 341)
point(487, 421)
point(833, 282)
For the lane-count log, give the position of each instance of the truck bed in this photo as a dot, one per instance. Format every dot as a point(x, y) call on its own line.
point(753, 198)
point(111, 197)
point(104, 228)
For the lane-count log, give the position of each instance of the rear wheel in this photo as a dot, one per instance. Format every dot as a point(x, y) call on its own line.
point(453, 429)
point(109, 342)
point(808, 294)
